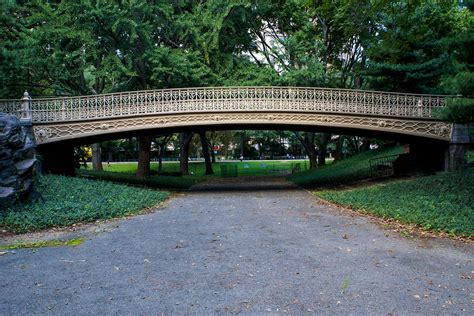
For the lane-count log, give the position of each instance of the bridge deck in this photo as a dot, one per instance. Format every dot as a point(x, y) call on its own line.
point(393, 112)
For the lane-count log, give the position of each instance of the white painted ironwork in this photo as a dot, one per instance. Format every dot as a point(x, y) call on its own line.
point(10, 107)
point(227, 99)
point(25, 113)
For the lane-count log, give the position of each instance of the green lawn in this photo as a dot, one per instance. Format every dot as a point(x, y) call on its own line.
point(347, 170)
point(66, 201)
point(197, 168)
point(443, 202)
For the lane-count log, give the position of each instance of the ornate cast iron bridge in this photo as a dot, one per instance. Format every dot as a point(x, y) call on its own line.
point(57, 119)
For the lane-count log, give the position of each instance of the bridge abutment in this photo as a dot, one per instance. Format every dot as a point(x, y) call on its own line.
point(462, 138)
point(421, 158)
point(58, 158)
point(424, 157)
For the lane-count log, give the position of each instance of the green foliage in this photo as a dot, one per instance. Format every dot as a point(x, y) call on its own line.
point(88, 47)
point(441, 203)
point(461, 83)
point(66, 201)
point(176, 68)
point(457, 110)
point(347, 170)
point(409, 51)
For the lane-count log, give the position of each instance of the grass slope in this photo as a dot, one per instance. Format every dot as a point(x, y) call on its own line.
point(443, 202)
point(66, 201)
point(347, 170)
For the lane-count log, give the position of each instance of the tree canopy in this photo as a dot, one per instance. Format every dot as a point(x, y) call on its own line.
point(94, 46)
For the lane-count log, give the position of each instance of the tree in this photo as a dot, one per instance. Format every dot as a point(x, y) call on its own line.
point(96, 157)
point(143, 168)
point(307, 140)
point(407, 53)
point(460, 81)
point(205, 152)
point(322, 142)
point(162, 142)
point(185, 140)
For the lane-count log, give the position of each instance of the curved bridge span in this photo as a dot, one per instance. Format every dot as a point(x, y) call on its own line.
point(58, 119)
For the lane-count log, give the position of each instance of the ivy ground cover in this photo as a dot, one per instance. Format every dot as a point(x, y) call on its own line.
point(443, 202)
point(65, 201)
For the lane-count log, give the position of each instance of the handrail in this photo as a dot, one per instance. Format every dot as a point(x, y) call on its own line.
point(233, 87)
point(228, 99)
point(383, 166)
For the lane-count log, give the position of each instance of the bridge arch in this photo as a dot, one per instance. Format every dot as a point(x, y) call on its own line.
point(76, 118)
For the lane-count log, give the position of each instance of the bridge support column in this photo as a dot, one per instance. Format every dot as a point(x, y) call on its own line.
point(58, 158)
point(462, 138)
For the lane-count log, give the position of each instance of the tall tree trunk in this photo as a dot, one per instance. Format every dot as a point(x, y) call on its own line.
point(185, 141)
point(339, 146)
point(162, 142)
point(365, 144)
point(205, 152)
point(325, 137)
point(160, 158)
point(96, 157)
point(242, 143)
point(308, 144)
point(144, 146)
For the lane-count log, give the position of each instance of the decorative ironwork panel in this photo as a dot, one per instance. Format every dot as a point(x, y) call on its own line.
point(56, 132)
point(10, 106)
point(217, 99)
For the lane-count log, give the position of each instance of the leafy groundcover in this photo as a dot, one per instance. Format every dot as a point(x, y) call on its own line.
point(443, 202)
point(65, 201)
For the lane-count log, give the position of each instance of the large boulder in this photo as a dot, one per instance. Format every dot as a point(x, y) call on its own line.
point(17, 159)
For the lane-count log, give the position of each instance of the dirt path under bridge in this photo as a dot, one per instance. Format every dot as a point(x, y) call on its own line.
point(230, 247)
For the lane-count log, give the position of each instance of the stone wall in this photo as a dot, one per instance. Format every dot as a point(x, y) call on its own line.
point(17, 159)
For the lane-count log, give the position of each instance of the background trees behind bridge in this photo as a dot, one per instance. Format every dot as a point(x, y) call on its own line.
point(225, 145)
point(89, 47)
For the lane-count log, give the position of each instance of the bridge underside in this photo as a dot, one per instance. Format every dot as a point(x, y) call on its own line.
point(82, 132)
point(56, 142)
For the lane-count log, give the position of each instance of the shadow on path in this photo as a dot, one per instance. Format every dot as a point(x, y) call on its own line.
point(245, 184)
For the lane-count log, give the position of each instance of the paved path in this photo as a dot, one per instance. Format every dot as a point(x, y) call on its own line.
point(242, 251)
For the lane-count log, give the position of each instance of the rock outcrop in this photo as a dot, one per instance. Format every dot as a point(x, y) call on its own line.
point(17, 159)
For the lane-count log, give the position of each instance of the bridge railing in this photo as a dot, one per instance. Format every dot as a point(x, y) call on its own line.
point(10, 107)
point(228, 99)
